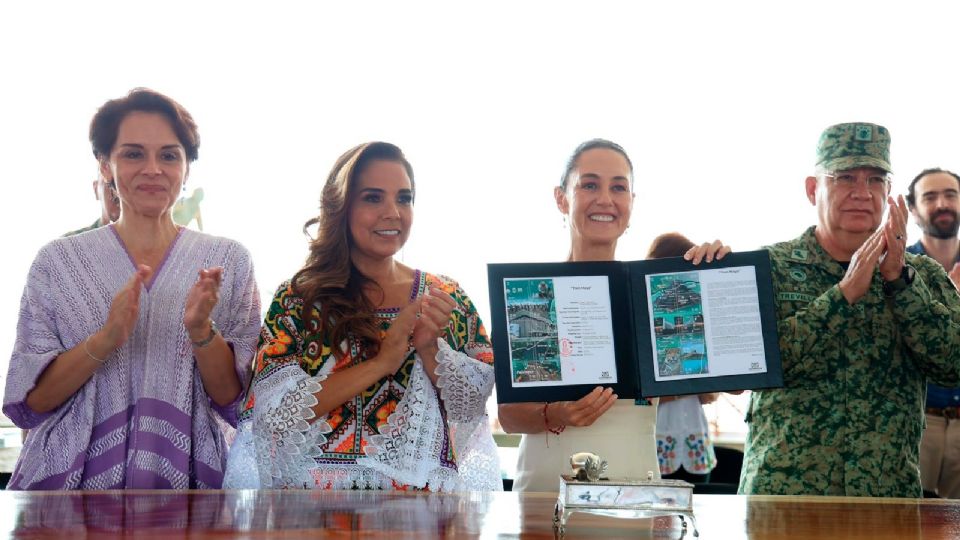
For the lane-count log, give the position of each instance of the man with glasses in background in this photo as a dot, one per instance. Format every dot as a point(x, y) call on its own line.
point(933, 198)
point(106, 193)
point(862, 325)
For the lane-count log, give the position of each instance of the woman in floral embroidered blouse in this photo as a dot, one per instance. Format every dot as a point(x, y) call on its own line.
point(381, 382)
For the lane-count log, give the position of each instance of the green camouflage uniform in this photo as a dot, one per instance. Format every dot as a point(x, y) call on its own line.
point(96, 225)
point(849, 418)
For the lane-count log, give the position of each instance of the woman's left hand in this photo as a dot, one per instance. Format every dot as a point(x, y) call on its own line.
point(201, 299)
point(707, 252)
point(435, 315)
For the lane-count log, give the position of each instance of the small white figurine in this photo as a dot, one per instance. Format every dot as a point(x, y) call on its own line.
point(587, 466)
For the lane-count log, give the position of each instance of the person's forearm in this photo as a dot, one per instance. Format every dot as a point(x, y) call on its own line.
point(342, 386)
point(430, 364)
point(809, 334)
point(216, 364)
point(927, 316)
point(67, 373)
point(526, 417)
point(521, 417)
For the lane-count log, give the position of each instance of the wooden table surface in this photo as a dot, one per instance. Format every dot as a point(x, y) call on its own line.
point(356, 514)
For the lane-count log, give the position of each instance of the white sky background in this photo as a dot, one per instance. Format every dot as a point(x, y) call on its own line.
point(718, 103)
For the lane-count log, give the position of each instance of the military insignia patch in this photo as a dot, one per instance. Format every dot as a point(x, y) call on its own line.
point(798, 275)
point(863, 133)
point(799, 254)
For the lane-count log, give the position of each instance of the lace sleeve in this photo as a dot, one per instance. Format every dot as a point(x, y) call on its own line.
point(242, 470)
point(465, 384)
point(464, 360)
point(285, 442)
point(279, 436)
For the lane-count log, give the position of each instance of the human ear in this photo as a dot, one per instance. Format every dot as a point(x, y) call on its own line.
point(811, 188)
point(563, 204)
point(105, 171)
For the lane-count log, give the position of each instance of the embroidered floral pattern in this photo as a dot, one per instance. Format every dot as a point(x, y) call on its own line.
point(400, 433)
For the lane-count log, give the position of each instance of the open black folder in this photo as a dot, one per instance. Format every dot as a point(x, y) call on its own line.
point(645, 328)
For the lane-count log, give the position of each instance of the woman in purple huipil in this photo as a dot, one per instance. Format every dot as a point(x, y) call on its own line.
point(119, 371)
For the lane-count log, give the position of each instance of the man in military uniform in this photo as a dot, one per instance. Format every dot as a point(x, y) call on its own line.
point(934, 198)
point(862, 326)
point(106, 193)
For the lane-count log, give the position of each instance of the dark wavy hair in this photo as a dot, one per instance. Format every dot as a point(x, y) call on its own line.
point(670, 244)
point(329, 278)
point(106, 122)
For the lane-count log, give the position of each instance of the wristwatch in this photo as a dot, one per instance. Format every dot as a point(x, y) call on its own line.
point(907, 276)
point(207, 340)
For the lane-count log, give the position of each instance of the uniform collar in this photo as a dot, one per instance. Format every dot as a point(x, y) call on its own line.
point(809, 251)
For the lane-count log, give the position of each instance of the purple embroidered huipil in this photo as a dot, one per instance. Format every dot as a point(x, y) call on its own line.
point(143, 420)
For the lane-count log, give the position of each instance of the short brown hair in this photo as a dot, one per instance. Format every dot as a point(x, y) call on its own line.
point(106, 123)
point(670, 244)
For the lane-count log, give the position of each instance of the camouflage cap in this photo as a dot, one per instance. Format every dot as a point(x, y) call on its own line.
point(858, 144)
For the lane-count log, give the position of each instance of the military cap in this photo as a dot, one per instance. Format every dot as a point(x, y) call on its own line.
point(857, 144)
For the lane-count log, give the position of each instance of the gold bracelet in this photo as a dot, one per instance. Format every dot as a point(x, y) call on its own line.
point(86, 349)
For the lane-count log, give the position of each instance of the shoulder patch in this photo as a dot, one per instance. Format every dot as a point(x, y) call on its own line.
point(799, 254)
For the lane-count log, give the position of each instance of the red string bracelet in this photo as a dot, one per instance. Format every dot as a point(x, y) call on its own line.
point(546, 424)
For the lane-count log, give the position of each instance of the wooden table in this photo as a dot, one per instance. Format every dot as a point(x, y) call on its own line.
point(354, 514)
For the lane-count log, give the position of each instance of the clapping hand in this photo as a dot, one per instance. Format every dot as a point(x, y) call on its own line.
point(201, 299)
point(396, 344)
point(125, 309)
point(436, 309)
point(884, 248)
point(895, 238)
point(856, 281)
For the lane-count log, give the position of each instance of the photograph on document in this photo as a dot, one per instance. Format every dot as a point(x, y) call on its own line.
point(560, 331)
point(705, 323)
